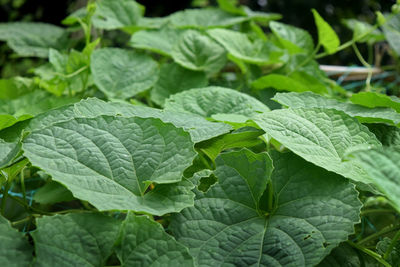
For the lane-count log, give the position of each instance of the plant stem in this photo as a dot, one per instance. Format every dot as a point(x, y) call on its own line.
point(4, 198)
point(365, 64)
point(375, 255)
point(21, 221)
point(23, 184)
point(376, 235)
point(392, 244)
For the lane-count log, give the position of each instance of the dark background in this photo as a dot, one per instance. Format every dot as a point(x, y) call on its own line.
point(294, 12)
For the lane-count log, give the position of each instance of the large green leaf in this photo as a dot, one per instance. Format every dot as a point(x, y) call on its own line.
point(363, 114)
point(174, 79)
point(118, 158)
point(314, 211)
point(160, 41)
point(383, 167)
point(213, 100)
point(372, 99)
point(32, 38)
point(116, 14)
point(14, 248)
point(144, 242)
point(122, 73)
point(15, 87)
point(204, 18)
point(241, 47)
point(391, 30)
point(197, 51)
point(294, 39)
point(80, 239)
point(320, 136)
point(326, 35)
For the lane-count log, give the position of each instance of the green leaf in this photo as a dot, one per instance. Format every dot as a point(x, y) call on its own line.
point(174, 79)
point(326, 35)
point(383, 167)
point(363, 114)
point(372, 99)
point(27, 106)
point(122, 73)
point(294, 39)
point(243, 137)
point(8, 152)
point(116, 14)
point(345, 255)
point(239, 46)
point(118, 158)
point(394, 255)
point(144, 242)
point(215, 100)
point(230, 6)
point(51, 193)
point(296, 82)
point(204, 18)
point(75, 239)
point(361, 28)
point(320, 136)
point(15, 87)
point(159, 41)
point(197, 51)
point(314, 211)
point(14, 247)
point(391, 30)
point(32, 39)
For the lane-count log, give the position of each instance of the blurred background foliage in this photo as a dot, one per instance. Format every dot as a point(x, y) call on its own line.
point(294, 12)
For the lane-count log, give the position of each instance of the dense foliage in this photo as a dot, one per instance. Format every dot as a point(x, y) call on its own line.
point(206, 138)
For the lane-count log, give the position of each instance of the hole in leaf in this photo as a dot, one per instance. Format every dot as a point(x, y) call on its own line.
point(206, 183)
point(306, 237)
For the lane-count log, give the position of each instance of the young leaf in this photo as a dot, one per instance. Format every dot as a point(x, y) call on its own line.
point(32, 39)
point(314, 211)
point(363, 114)
point(326, 35)
point(215, 100)
point(320, 136)
point(14, 247)
point(372, 99)
point(118, 159)
point(198, 52)
point(122, 73)
point(294, 39)
point(204, 18)
point(239, 46)
point(383, 168)
point(174, 79)
point(143, 242)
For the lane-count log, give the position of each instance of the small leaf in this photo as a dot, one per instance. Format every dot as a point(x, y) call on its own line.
point(204, 18)
point(116, 14)
point(174, 79)
point(121, 73)
point(294, 39)
point(144, 242)
point(215, 100)
point(198, 52)
point(32, 38)
point(326, 35)
point(239, 46)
